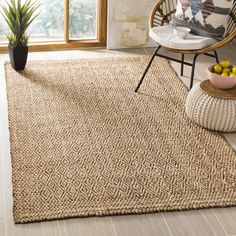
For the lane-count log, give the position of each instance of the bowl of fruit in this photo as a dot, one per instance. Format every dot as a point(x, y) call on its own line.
point(222, 75)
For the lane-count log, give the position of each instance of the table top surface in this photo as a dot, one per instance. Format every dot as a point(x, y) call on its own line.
point(207, 87)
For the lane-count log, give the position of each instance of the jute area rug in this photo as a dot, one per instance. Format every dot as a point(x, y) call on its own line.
point(84, 144)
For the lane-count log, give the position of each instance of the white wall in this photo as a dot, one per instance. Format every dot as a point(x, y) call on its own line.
point(128, 23)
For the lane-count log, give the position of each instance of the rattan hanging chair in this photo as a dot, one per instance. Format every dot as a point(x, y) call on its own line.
point(162, 15)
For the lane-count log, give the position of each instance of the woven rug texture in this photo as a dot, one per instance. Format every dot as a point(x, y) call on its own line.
point(84, 144)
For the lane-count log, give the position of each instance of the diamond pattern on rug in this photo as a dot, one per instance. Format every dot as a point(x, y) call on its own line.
point(84, 144)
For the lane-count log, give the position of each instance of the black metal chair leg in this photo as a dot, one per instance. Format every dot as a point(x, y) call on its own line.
point(182, 65)
point(146, 70)
point(193, 70)
point(216, 56)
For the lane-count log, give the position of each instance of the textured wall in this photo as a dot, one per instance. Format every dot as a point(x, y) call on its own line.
point(128, 23)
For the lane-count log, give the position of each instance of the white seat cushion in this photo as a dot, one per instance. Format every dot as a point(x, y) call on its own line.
point(164, 35)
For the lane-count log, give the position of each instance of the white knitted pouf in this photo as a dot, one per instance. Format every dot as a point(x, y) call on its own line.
point(211, 112)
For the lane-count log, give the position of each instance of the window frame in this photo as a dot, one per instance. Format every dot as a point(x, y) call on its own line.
point(68, 43)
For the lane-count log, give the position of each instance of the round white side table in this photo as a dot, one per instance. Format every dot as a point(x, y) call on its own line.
point(212, 108)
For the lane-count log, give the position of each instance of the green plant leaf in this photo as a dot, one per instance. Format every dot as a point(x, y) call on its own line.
point(18, 17)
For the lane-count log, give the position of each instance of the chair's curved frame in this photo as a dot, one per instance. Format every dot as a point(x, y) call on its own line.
point(162, 14)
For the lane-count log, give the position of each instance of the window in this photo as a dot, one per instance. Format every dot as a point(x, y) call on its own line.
point(49, 25)
point(65, 24)
point(83, 19)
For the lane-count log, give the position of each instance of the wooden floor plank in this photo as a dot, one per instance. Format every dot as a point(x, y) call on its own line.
point(192, 223)
point(139, 225)
point(99, 226)
point(2, 228)
point(2, 202)
point(227, 217)
point(50, 228)
point(212, 222)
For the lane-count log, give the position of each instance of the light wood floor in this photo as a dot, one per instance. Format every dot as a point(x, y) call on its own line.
point(221, 221)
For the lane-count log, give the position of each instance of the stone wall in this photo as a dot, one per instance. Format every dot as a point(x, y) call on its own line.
point(128, 23)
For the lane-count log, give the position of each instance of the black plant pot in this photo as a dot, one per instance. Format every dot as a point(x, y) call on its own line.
point(18, 56)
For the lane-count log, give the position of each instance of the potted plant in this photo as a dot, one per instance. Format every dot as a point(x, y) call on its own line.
point(18, 17)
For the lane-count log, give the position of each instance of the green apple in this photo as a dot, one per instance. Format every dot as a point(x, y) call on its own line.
point(224, 74)
point(226, 70)
point(217, 68)
point(234, 69)
point(225, 63)
point(232, 74)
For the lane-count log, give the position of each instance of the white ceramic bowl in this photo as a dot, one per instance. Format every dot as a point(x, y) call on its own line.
point(181, 32)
